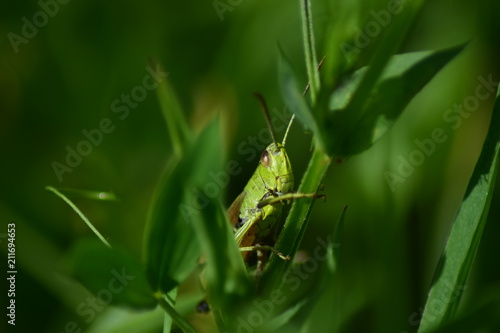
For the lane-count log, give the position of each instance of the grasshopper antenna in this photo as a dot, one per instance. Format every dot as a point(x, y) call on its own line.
point(304, 93)
point(263, 104)
point(288, 129)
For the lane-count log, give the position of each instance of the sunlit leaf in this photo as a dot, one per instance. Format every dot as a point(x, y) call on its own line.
point(404, 76)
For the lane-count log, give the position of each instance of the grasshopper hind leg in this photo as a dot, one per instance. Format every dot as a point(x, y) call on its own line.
point(262, 258)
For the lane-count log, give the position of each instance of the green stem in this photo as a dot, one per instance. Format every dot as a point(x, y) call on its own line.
point(310, 52)
point(176, 317)
point(79, 212)
point(296, 223)
point(170, 298)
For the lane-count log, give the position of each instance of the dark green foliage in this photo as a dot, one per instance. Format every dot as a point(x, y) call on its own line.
point(111, 274)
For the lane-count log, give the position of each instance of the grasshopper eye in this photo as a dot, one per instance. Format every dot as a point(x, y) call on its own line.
point(265, 160)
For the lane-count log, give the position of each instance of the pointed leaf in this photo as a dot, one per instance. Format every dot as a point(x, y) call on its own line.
point(178, 128)
point(455, 265)
point(226, 276)
point(404, 76)
point(171, 248)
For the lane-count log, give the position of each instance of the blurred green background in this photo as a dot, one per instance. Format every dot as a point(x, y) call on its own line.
point(64, 79)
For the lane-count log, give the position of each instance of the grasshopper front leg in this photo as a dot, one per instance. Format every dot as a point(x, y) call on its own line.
point(264, 248)
point(289, 196)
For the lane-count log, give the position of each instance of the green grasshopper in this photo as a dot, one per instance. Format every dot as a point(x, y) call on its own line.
point(256, 211)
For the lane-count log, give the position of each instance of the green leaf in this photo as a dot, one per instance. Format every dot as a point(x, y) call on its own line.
point(170, 254)
point(111, 274)
point(388, 43)
point(483, 317)
point(171, 249)
point(225, 273)
point(404, 76)
point(456, 262)
point(178, 128)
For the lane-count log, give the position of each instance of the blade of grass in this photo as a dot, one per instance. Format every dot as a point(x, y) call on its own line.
point(79, 212)
point(456, 263)
point(170, 249)
point(89, 194)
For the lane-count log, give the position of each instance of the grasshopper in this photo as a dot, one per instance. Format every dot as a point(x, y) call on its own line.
point(255, 213)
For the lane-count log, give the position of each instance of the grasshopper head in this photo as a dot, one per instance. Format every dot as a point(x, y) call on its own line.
point(275, 160)
point(275, 169)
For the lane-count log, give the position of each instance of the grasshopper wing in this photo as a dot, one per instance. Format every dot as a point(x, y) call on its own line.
point(233, 212)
